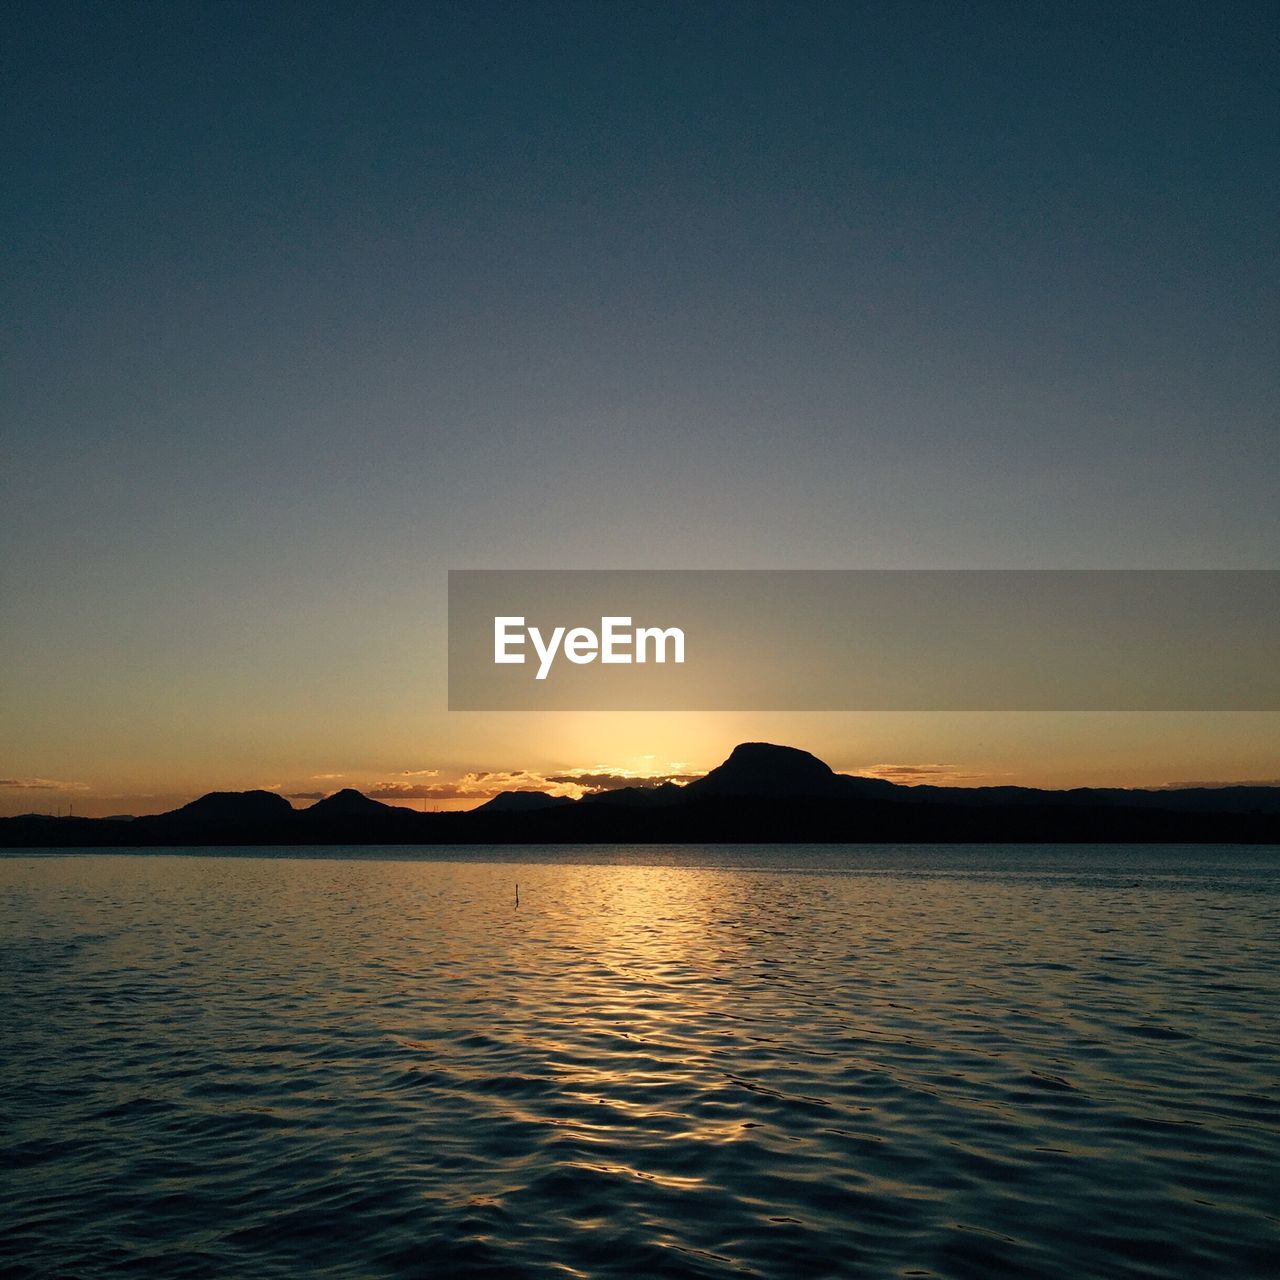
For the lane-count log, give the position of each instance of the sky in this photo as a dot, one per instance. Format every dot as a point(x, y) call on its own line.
point(309, 303)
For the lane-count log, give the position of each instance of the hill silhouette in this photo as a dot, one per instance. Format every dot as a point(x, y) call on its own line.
point(762, 769)
point(522, 802)
point(349, 803)
point(762, 793)
point(235, 808)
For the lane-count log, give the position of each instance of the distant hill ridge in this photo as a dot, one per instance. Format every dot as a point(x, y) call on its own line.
point(762, 792)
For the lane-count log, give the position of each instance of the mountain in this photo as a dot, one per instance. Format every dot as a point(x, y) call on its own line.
point(761, 769)
point(762, 793)
point(521, 802)
point(348, 803)
point(642, 797)
point(234, 808)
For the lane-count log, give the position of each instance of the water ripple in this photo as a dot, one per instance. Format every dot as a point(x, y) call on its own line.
point(682, 1063)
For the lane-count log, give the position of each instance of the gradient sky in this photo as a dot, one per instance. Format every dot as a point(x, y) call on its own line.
point(308, 303)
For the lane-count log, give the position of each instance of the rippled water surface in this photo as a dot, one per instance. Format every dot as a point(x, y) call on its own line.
point(699, 1062)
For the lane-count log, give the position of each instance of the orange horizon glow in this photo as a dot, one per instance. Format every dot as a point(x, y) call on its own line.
point(967, 750)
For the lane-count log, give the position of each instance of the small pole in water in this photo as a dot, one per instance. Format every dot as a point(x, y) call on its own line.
point(517, 893)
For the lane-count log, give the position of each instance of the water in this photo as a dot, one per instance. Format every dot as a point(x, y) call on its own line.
point(708, 1062)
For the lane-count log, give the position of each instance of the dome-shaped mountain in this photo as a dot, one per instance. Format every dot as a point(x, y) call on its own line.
point(348, 803)
point(223, 808)
point(764, 770)
point(522, 802)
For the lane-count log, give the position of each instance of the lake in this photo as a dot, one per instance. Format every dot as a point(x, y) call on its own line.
point(714, 1061)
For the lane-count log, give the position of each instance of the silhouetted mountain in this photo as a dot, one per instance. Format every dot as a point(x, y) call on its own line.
point(521, 802)
point(235, 808)
point(762, 769)
point(1244, 799)
point(348, 803)
point(760, 793)
point(663, 793)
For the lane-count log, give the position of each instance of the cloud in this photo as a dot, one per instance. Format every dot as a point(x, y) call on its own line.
point(414, 791)
point(305, 795)
point(592, 783)
point(478, 785)
point(42, 784)
point(483, 784)
point(936, 774)
point(326, 777)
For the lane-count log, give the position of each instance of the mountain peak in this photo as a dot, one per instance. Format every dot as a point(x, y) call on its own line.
point(234, 807)
point(766, 769)
point(521, 802)
point(347, 802)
